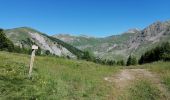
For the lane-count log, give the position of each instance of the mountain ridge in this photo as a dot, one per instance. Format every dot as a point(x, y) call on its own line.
point(133, 41)
point(117, 47)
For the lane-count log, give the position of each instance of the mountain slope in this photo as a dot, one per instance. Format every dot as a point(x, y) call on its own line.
point(118, 47)
point(80, 42)
point(25, 37)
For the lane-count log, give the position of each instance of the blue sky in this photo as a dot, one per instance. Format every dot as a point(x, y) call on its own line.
point(89, 17)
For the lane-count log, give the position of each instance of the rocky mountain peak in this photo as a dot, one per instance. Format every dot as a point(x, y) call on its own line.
point(154, 29)
point(133, 30)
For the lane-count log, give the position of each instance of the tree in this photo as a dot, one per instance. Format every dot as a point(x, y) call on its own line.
point(87, 56)
point(121, 63)
point(5, 43)
point(131, 61)
point(134, 61)
point(110, 62)
point(166, 52)
point(47, 52)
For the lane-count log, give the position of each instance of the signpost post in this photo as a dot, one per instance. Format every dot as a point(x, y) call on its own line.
point(34, 47)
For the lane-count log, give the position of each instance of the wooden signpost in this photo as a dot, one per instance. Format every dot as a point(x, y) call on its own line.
point(34, 47)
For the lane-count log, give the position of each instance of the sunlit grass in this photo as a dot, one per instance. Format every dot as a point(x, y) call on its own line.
point(64, 79)
point(163, 69)
point(143, 90)
point(53, 78)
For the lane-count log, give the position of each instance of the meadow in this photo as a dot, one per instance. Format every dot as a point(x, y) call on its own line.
point(52, 78)
point(64, 79)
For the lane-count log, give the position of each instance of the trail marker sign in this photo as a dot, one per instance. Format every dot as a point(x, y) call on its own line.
point(34, 48)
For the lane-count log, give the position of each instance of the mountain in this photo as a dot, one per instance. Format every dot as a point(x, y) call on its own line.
point(80, 42)
point(25, 37)
point(117, 47)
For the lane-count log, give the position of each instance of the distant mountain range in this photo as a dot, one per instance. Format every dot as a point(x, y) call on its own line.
point(116, 47)
point(25, 37)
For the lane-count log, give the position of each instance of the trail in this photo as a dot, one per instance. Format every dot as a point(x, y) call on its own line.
point(125, 77)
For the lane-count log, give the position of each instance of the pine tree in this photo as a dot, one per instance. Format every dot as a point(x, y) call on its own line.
point(129, 61)
point(5, 43)
point(161, 52)
point(133, 61)
point(47, 52)
point(87, 56)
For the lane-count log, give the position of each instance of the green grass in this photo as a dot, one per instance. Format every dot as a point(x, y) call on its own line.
point(63, 79)
point(53, 78)
point(163, 69)
point(143, 90)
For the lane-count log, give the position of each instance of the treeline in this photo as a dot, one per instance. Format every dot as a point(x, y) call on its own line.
point(109, 62)
point(88, 57)
point(161, 52)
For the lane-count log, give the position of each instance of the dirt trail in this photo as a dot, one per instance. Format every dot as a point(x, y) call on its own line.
point(125, 77)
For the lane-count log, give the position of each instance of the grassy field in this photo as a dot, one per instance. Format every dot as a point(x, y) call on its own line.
point(63, 79)
point(163, 69)
point(144, 89)
point(53, 78)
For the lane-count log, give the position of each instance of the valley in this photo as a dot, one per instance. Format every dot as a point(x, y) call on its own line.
point(85, 50)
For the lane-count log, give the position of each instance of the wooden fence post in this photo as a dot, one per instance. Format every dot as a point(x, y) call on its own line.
point(34, 47)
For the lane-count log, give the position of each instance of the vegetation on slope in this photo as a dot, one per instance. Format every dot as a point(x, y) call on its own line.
point(161, 52)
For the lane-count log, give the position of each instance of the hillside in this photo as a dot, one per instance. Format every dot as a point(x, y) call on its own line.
point(25, 37)
point(118, 47)
point(58, 78)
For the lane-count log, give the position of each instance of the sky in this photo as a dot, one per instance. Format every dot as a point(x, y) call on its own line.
point(97, 18)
